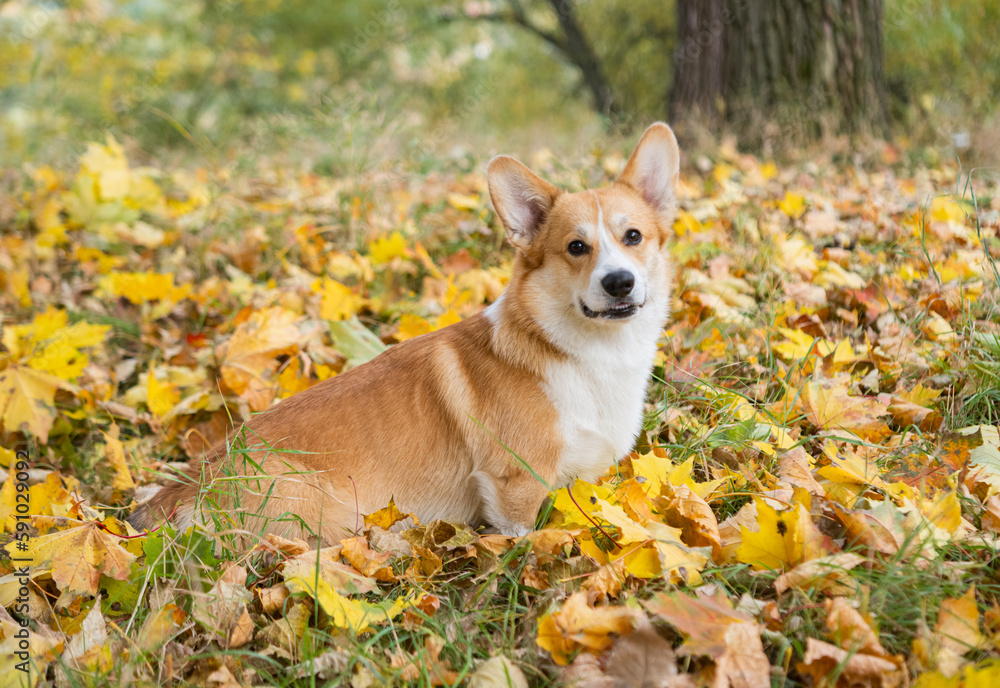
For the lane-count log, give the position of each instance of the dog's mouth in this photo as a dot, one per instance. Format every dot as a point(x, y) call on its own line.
point(617, 311)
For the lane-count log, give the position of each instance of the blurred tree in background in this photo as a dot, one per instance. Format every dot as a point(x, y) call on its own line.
point(343, 84)
point(817, 65)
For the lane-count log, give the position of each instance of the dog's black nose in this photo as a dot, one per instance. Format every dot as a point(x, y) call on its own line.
point(618, 283)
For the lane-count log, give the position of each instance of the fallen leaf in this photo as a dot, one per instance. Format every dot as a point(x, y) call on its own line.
point(577, 625)
point(712, 627)
point(823, 660)
point(77, 554)
point(497, 672)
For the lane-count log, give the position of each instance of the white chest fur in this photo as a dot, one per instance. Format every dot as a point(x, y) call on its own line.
point(599, 394)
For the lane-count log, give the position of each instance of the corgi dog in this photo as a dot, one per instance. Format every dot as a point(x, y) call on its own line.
point(476, 422)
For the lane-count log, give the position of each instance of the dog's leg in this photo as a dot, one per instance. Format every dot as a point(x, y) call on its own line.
point(510, 503)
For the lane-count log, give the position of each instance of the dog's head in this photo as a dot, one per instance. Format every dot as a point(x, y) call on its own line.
point(595, 258)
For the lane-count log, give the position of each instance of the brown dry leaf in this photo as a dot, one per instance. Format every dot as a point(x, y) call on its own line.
point(878, 529)
point(366, 561)
point(242, 631)
point(223, 678)
point(608, 580)
point(823, 662)
point(578, 625)
point(534, 577)
point(285, 633)
point(991, 516)
point(427, 605)
point(643, 659)
point(219, 610)
point(498, 672)
point(684, 509)
point(550, 541)
point(847, 628)
point(586, 672)
point(426, 562)
point(826, 574)
point(275, 544)
point(448, 535)
point(712, 627)
point(907, 414)
point(426, 664)
point(795, 470)
point(272, 600)
point(829, 407)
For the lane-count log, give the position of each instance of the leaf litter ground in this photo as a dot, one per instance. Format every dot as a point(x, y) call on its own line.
point(813, 500)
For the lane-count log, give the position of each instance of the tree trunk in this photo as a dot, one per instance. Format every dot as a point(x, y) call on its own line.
point(780, 67)
point(580, 53)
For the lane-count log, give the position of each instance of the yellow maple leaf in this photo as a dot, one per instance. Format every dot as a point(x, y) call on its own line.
point(678, 562)
point(142, 287)
point(50, 344)
point(106, 190)
point(50, 497)
point(946, 209)
point(686, 223)
point(586, 498)
point(40, 651)
point(793, 205)
point(77, 555)
point(945, 512)
point(384, 249)
point(780, 542)
point(463, 201)
point(161, 397)
point(354, 615)
point(386, 517)
point(291, 381)
point(653, 471)
point(798, 344)
point(27, 400)
point(956, 632)
point(411, 326)
point(115, 453)
point(449, 317)
point(249, 358)
point(337, 301)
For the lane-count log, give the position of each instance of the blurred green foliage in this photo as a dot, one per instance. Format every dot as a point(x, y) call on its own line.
point(943, 56)
point(225, 78)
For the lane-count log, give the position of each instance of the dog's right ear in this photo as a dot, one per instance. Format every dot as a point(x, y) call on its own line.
point(522, 199)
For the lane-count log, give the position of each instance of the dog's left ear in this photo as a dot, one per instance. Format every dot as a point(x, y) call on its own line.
point(653, 168)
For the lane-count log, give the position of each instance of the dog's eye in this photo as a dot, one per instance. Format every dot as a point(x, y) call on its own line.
point(577, 247)
point(632, 237)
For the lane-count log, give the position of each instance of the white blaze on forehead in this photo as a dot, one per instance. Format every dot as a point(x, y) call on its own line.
point(609, 255)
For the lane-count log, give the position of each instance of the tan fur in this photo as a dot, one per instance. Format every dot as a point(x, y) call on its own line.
point(434, 422)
